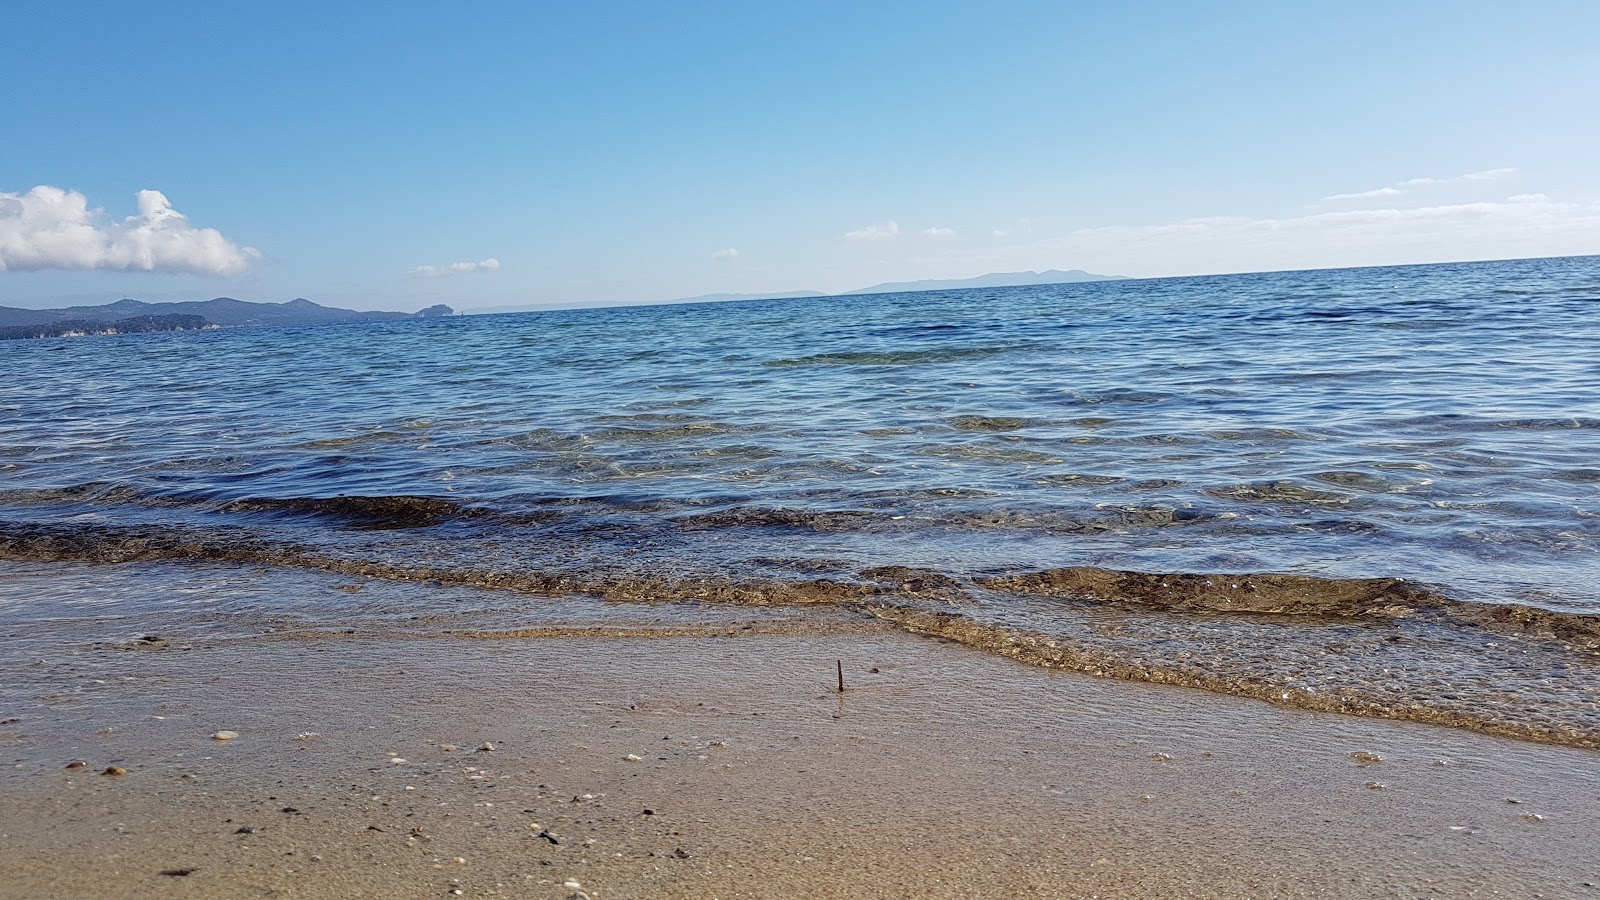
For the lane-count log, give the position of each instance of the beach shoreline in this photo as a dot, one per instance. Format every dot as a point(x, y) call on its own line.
point(718, 760)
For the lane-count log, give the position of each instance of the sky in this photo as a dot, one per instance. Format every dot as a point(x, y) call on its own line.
point(399, 154)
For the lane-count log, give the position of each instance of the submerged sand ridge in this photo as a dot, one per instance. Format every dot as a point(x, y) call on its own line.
point(1379, 647)
point(683, 750)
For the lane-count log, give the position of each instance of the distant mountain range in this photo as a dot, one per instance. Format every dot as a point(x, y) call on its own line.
point(230, 313)
point(223, 311)
point(722, 298)
point(993, 279)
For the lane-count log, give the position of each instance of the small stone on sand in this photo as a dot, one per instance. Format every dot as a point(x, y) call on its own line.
point(114, 771)
point(225, 735)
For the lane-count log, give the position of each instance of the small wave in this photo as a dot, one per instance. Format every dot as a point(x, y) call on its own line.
point(1458, 422)
point(1577, 476)
point(891, 357)
point(1086, 481)
point(990, 453)
point(99, 492)
point(1278, 492)
point(1120, 395)
point(1263, 434)
point(1104, 518)
point(673, 432)
point(989, 423)
point(1372, 599)
point(356, 440)
point(396, 511)
point(1296, 665)
point(1240, 593)
point(1360, 481)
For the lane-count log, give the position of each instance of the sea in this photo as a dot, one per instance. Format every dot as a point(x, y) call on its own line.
point(1369, 491)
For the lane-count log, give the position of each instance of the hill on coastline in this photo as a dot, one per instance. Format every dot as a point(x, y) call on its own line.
point(77, 328)
point(224, 311)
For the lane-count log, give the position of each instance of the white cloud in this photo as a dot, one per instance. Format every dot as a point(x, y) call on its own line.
point(874, 232)
point(937, 232)
point(1527, 198)
point(458, 268)
point(1396, 190)
point(52, 228)
point(729, 253)
point(1529, 226)
point(1000, 234)
point(1368, 195)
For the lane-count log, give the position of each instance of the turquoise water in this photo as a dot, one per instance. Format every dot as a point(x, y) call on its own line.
point(1438, 424)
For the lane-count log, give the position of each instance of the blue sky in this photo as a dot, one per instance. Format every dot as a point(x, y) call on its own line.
point(378, 155)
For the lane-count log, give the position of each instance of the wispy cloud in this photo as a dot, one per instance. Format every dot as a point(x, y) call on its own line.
point(1527, 225)
point(937, 232)
point(457, 268)
point(1399, 187)
point(728, 253)
point(999, 234)
point(1367, 195)
point(52, 228)
point(874, 232)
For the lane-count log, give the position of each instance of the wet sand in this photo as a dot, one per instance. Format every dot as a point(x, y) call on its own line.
point(717, 761)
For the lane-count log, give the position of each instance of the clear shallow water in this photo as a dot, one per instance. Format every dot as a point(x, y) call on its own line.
point(1438, 424)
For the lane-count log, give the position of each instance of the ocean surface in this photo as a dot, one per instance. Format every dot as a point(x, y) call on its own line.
point(1373, 491)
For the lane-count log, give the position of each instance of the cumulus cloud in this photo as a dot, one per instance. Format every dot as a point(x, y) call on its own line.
point(729, 253)
point(874, 232)
point(458, 268)
point(1530, 225)
point(52, 228)
point(937, 232)
point(1367, 195)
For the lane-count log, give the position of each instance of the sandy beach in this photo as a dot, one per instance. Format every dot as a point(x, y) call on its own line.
point(655, 752)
